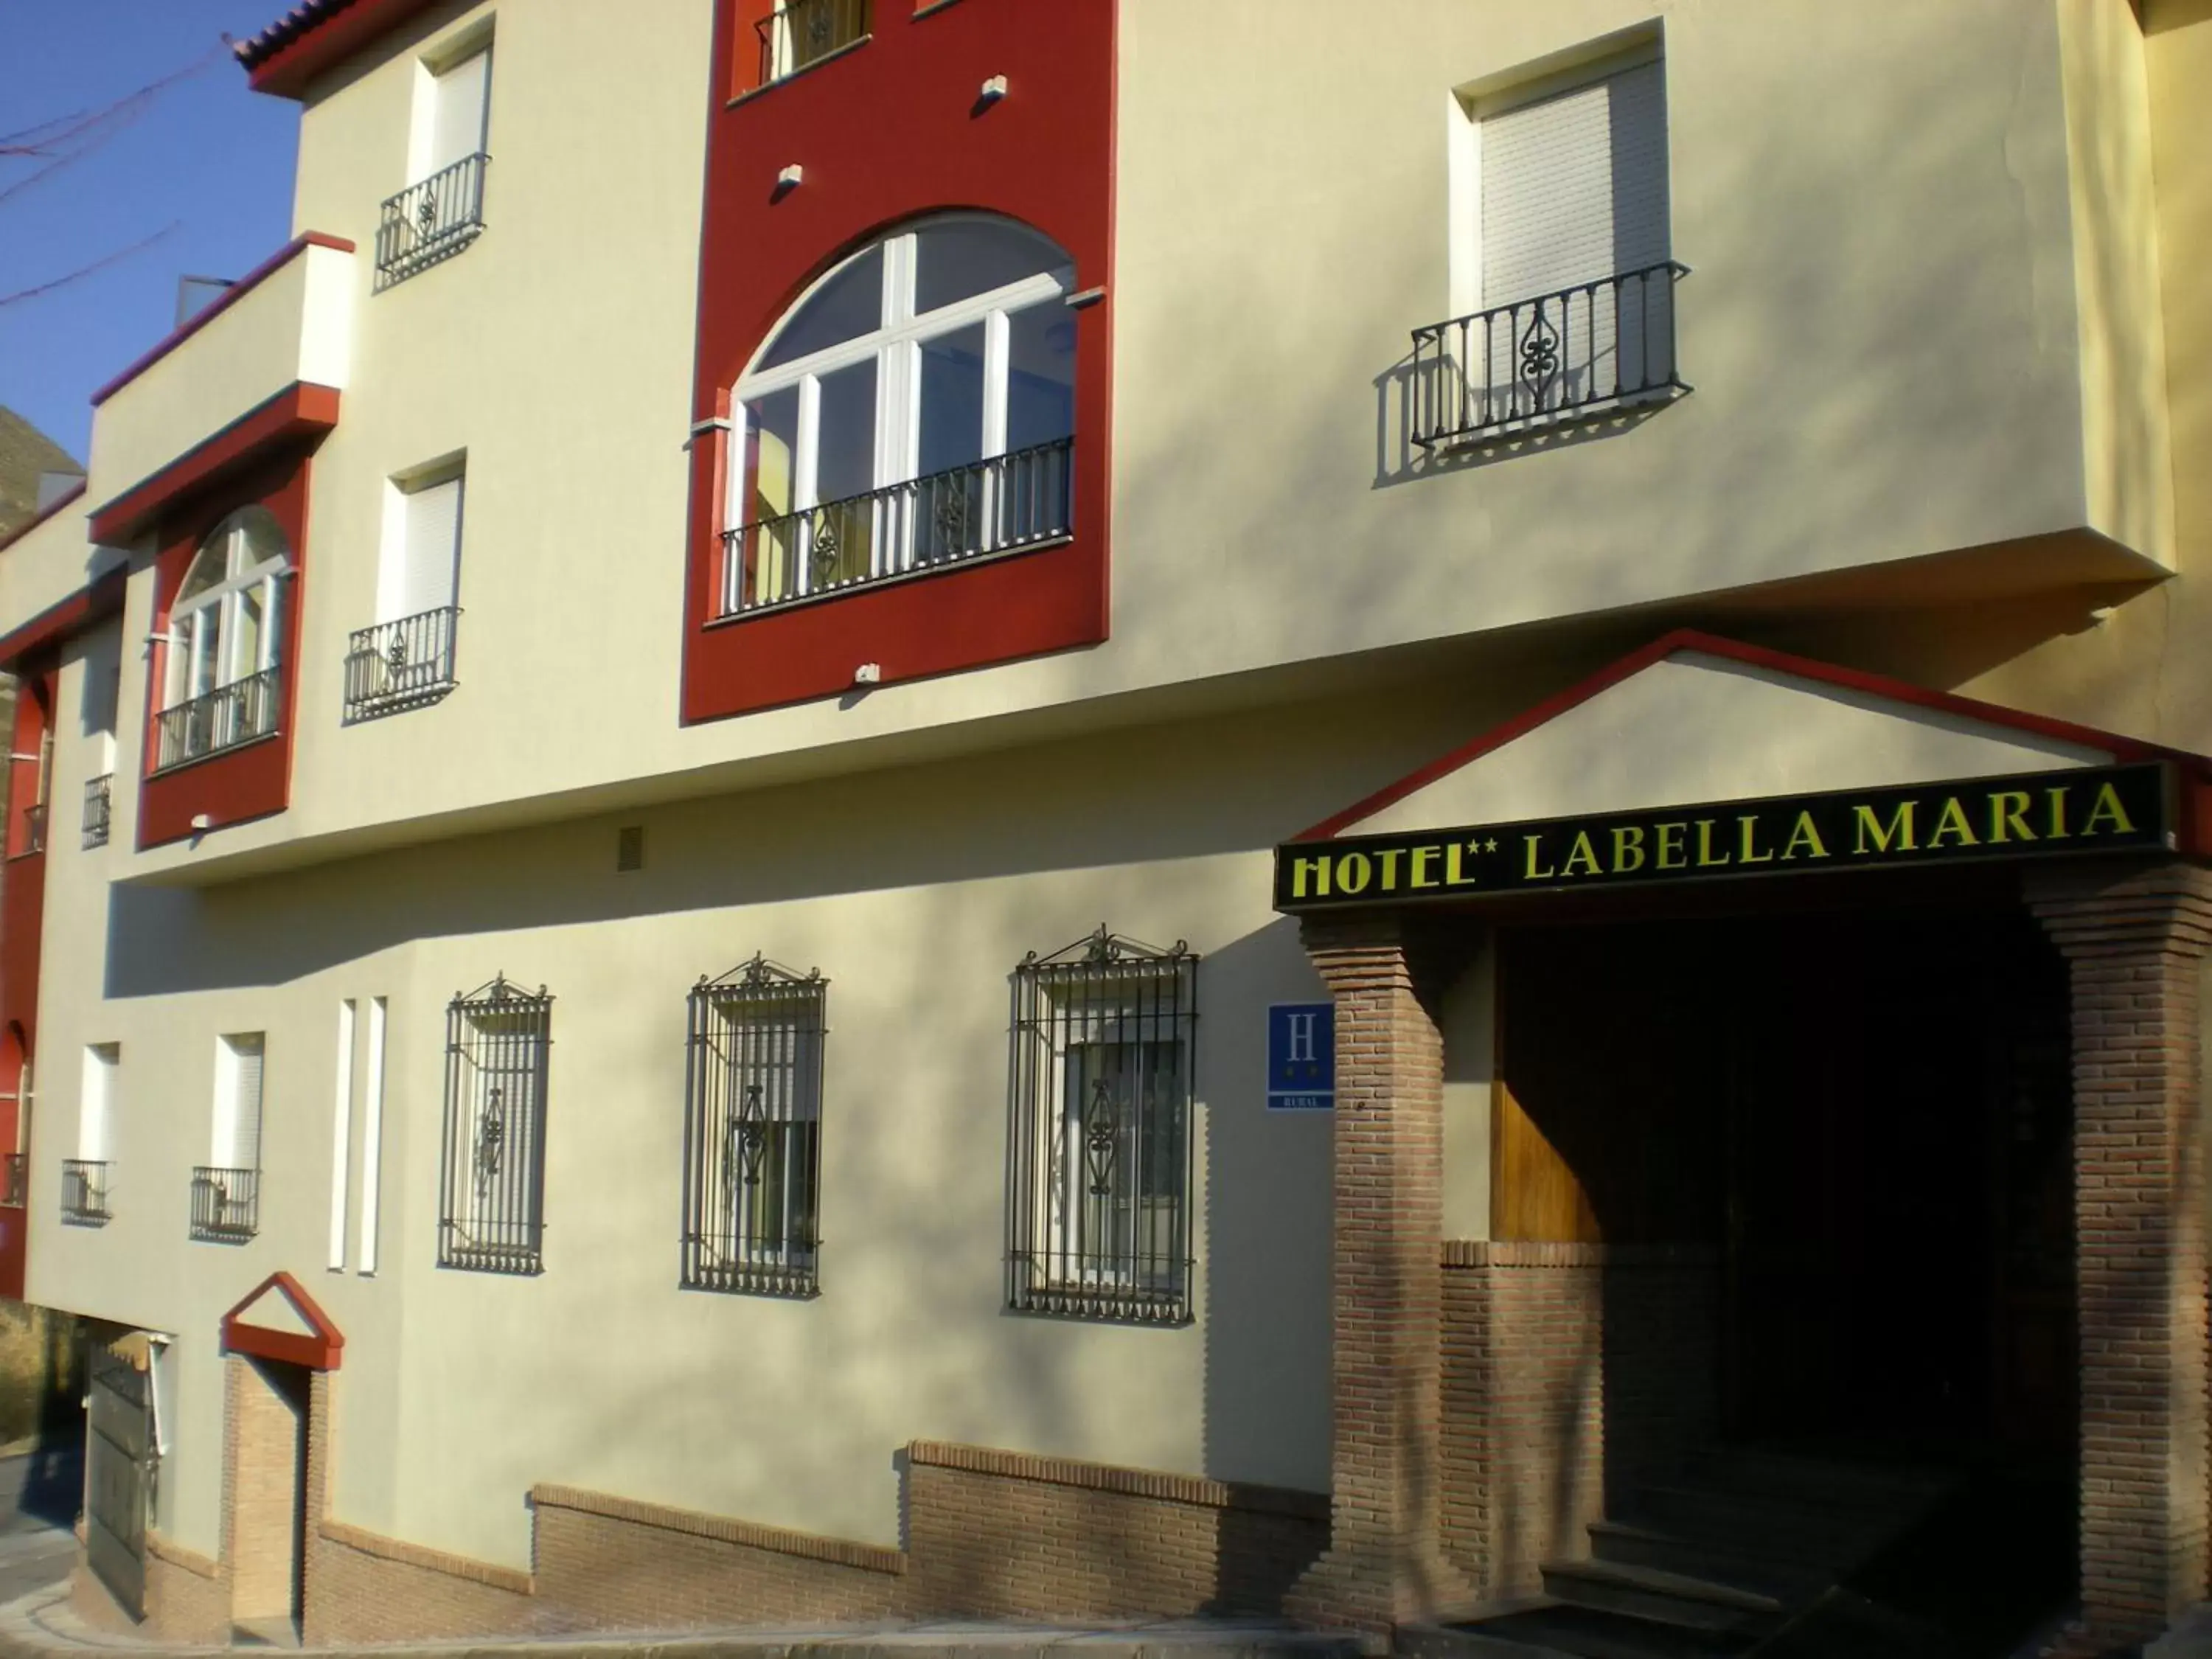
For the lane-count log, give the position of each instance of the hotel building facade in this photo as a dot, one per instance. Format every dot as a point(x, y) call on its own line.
point(1098, 809)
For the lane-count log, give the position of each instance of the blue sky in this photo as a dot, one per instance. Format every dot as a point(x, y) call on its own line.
point(204, 154)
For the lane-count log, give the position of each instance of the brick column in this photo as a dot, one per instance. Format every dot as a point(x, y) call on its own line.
point(2134, 940)
point(1384, 1563)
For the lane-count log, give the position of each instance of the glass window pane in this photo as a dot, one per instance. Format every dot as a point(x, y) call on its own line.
point(963, 257)
point(771, 453)
point(951, 401)
point(206, 647)
point(850, 304)
point(845, 456)
point(1040, 375)
point(245, 635)
point(208, 570)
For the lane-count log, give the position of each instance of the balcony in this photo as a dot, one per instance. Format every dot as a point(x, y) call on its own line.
point(1003, 505)
point(1579, 354)
point(401, 665)
point(799, 33)
point(34, 838)
point(225, 1205)
point(97, 803)
point(84, 1192)
point(16, 1181)
point(225, 718)
point(287, 323)
point(428, 223)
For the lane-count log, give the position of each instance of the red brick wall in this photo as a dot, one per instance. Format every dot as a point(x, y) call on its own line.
point(1569, 1372)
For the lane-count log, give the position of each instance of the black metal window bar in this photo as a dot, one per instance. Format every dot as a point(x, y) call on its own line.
point(430, 222)
point(84, 1192)
point(1583, 350)
point(799, 33)
point(225, 1205)
point(994, 506)
point(16, 1181)
point(34, 828)
point(1099, 1144)
point(400, 665)
point(752, 1134)
point(491, 1216)
point(222, 719)
point(98, 802)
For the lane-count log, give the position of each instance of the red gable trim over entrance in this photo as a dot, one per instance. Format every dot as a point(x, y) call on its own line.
point(320, 1351)
point(2196, 769)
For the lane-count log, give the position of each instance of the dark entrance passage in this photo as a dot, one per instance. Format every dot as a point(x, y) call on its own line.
point(1862, 1115)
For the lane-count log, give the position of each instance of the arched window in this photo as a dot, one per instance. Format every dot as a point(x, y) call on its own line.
point(916, 407)
point(224, 644)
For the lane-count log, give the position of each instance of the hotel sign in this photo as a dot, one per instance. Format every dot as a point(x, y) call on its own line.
point(2103, 810)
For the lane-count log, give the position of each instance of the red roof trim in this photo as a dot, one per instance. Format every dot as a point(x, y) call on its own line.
point(312, 36)
point(96, 601)
point(302, 410)
point(320, 1351)
point(43, 514)
point(237, 291)
point(1756, 656)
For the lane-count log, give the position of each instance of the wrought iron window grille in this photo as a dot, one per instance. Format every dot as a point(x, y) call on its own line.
point(97, 805)
point(1580, 352)
point(1003, 504)
point(1102, 1101)
point(225, 1205)
point(34, 829)
point(16, 1181)
point(799, 33)
point(84, 1192)
point(492, 1173)
point(752, 1131)
point(401, 665)
point(430, 222)
point(225, 718)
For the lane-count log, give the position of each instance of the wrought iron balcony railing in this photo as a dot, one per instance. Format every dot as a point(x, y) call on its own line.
point(97, 804)
point(225, 1205)
point(994, 506)
point(84, 1192)
point(431, 222)
point(222, 719)
point(34, 829)
point(1581, 352)
point(799, 33)
point(16, 1179)
point(400, 665)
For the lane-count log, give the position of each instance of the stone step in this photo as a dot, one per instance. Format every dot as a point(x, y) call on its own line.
point(1745, 1564)
point(1653, 1593)
point(1560, 1631)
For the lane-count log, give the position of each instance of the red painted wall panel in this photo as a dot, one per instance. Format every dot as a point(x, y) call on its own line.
point(891, 130)
point(254, 780)
point(22, 917)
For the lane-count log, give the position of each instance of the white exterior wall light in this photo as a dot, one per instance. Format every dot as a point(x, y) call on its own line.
point(992, 90)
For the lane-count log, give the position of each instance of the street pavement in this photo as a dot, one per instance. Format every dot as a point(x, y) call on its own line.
point(39, 1495)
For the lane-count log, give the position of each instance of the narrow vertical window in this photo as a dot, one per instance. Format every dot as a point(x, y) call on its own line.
point(371, 1137)
point(1102, 1098)
point(84, 1177)
point(498, 1046)
point(227, 1189)
point(441, 211)
point(341, 1136)
point(753, 1131)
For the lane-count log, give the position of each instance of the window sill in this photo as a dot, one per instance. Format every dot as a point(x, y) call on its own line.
point(880, 584)
point(185, 765)
point(850, 46)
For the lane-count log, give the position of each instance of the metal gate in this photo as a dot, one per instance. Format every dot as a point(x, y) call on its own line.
point(119, 1477)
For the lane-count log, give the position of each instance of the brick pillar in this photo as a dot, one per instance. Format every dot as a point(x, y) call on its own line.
point(2134, 940)
point(1384, 1563)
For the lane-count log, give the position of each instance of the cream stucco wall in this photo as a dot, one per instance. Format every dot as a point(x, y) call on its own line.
point(1890, 328)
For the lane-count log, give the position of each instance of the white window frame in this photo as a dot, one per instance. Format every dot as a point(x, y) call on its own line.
point(446, 59)
point(225, 1130)
point(96, 1122)
point(895, 347)
point(222, 606)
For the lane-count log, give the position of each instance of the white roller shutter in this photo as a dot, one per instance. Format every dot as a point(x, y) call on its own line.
point(237, 1106)
point(462, 96)
point(1574, 186)
point(422, 575)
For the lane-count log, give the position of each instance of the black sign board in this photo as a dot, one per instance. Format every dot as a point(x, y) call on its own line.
point(2100, 810)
